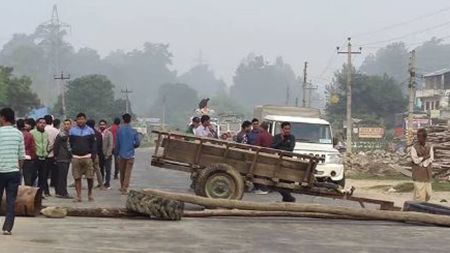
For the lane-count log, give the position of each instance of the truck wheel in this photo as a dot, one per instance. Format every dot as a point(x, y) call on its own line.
point(220, 181)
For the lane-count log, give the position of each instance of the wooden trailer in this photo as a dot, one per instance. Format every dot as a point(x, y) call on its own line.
point(223, 169)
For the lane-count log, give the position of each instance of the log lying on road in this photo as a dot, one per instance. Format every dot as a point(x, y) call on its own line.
point(252, 213)
point(112, 212)
point(101, 212)
point(294, 207)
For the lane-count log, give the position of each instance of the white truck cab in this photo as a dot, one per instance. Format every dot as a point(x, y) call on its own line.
point(313, 137)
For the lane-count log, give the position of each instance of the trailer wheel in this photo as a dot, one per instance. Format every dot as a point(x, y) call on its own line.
point(220, 181)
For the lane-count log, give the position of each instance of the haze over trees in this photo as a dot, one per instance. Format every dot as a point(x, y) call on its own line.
point(149, 73)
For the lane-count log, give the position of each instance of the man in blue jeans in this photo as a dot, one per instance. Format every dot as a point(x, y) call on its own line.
point(12, 155)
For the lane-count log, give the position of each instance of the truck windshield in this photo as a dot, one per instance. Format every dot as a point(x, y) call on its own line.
point(310, 133)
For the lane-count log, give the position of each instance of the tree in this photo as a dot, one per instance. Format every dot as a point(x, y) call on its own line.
point(179, 102)
point(16, 92)
point(203, 80)
point(143, 71)
point(258, 82)
point(391, 60)
point(93, 95)
point(375, 99)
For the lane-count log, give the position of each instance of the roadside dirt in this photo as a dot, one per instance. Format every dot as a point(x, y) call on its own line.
point(378, 189)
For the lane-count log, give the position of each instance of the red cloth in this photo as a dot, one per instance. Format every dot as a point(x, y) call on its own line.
point(264, 139)
point(30, 145)
point(114, 129)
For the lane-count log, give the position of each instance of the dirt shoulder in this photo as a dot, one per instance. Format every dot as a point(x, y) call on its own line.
point(378, 189)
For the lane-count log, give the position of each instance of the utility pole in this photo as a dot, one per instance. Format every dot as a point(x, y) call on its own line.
point(412, 90)
point(305, 75)
point(349, 53)
point(287, 95)
point(127, 98)
point(163, 120)
point(310, 87)
point(63, 91)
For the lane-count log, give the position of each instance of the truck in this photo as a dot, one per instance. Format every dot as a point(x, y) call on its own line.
point(313, 137)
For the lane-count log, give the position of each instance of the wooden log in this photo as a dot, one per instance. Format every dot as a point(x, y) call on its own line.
point(111, 212)
point(294, 207)
point(101, 212)
point(253, 213)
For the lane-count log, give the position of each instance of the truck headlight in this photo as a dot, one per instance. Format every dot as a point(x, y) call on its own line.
point(334, 158)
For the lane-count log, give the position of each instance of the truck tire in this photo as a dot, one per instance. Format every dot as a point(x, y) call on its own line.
point(154, 206)
point(425, 207)
point(220, 181)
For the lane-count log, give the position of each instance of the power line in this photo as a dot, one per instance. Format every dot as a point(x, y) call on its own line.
point(390, 27)
point(407, 35)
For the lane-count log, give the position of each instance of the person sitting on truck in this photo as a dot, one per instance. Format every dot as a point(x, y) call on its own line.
point(253, 135)
point(205, 128)
point(242, 136)
point(285, 141)
point(264, 138)
point(195, 123)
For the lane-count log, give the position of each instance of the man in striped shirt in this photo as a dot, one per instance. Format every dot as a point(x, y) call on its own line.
point(12, 155)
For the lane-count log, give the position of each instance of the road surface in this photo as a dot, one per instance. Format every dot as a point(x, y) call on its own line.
point(81, 235)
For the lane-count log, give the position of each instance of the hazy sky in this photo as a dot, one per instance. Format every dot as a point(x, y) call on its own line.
point(228, 30)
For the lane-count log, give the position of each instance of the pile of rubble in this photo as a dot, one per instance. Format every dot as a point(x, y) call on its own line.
point(375, 163)
point(386, 163)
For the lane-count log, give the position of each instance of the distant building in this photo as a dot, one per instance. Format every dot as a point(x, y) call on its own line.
point(435, 93)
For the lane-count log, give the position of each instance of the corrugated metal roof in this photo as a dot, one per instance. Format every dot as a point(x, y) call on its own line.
point(437, 72)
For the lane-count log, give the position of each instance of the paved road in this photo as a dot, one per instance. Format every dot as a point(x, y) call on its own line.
point(212, 234)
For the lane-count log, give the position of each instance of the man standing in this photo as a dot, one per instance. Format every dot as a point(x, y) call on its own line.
point(285, 141)
point(12, 155)
point(98, 139)
point(114, 128)
point(422, 155)
point(195, 123)
point(253, 135)
point(82, 143)
point(63, 156)
point(127, 141)
point(263, 139)
point(28, 169)
point(106, 155)
point(51, 163)
point(41, 141)
point(242, 136)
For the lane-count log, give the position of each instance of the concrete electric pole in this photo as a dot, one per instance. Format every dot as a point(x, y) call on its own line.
point(412, 90)
point(349, 53)
point(305, 74)
point(127, 98)
point(61, 78)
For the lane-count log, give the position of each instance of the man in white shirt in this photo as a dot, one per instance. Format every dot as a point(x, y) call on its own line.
point(51, 162)
point(422, 155)
point(205, 129)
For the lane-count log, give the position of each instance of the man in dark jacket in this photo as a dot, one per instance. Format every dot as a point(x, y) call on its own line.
point(99, 141)
point(84, 151)
point(285, 141)
point(63, 156)
point(242, 136)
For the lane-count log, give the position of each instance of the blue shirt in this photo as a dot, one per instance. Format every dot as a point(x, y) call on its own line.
point(127, 141)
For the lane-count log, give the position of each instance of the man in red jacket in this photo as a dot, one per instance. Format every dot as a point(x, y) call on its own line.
point(114, 128)
point(29, 171)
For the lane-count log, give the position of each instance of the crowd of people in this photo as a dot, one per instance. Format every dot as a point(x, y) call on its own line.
point(34, 152)
point(252, 133)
